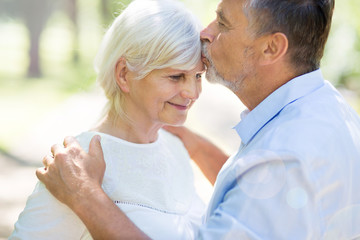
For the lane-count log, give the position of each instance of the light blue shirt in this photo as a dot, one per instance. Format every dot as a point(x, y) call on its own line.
point(296, 174)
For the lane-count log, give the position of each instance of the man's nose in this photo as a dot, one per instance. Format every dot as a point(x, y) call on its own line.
point(208, 34)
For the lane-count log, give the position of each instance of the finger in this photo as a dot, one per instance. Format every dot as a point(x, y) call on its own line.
point(69, 140)
point(47, 160)
point(40, 174)
point(95, 148)
point(56, 148)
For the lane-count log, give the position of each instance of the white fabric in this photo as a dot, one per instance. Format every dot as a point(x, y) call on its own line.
point(151, 183)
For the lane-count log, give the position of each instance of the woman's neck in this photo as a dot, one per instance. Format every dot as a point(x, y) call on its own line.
point(130, 131)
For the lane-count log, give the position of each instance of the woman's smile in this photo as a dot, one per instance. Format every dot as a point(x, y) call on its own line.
point(181, 107)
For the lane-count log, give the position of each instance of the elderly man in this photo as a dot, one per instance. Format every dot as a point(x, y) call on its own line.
point(295, 174)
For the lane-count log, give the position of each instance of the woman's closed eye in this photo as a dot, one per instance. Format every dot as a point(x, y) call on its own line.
point(177, 77)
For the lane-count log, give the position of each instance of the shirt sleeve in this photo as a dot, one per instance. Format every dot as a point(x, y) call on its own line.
point(269, 200)
point(44, 217)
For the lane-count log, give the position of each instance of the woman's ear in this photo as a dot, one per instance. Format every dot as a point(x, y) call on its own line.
point(121, 71)
point(275, 47)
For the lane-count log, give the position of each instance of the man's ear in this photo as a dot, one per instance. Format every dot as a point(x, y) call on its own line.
point(275, 47)
point(121, 71)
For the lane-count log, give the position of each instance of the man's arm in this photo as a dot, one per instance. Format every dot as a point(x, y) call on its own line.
point(74, 177)
point(206, 155)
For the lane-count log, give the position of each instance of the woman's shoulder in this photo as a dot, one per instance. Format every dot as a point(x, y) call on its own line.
point(170, 138)
point(84, 139)
point(174, 144)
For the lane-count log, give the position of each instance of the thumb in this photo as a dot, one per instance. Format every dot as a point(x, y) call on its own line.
point(95, 148)
point(40, 173)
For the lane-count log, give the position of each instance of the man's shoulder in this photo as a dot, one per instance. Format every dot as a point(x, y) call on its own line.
point(310, 124)
point(318, 111)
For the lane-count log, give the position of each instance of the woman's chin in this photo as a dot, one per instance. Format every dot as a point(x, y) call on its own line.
point(176, 123)
point(175, 120)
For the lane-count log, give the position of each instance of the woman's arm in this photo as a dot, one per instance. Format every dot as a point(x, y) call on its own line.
point(103, 218)
point(74, 177)
point(44, 217)
point(206, 155)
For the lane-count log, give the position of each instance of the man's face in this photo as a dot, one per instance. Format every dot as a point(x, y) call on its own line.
point(229, 49)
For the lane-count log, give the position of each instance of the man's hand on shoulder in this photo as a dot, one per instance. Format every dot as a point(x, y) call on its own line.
point(71, 174)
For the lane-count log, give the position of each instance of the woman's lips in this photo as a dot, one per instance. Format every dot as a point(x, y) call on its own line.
point(179, 107)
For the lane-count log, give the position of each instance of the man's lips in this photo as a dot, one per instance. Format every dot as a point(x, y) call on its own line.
point(205, 60)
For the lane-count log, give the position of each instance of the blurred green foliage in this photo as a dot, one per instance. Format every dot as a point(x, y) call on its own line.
point(340, 63)
point(342, 56)
point(66, 63)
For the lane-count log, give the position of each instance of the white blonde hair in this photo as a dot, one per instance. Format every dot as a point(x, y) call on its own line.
point(149, 34)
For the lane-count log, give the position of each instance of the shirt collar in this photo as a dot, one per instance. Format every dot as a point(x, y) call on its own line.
point(253, 121)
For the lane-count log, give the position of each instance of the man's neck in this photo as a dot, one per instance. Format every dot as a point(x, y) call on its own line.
point(267, 81)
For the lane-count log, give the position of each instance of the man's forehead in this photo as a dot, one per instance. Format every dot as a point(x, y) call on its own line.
point(230, 10)
point(220, 14)
point(232, 3)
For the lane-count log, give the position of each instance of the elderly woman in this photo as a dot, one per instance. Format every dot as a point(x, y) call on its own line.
point(149, 65)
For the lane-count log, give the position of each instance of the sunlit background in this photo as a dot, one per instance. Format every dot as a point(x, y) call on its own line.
point(48, 90)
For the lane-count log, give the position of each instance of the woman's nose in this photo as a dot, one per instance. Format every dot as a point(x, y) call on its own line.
point(191, 89)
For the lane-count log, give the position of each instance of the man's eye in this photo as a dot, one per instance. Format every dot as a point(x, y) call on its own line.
point(220, 24)
point(198, 76)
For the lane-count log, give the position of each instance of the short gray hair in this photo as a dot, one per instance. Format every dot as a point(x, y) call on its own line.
point(149, 34)
point(306, 23)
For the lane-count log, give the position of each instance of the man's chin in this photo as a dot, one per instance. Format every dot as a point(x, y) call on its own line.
point(212, 77)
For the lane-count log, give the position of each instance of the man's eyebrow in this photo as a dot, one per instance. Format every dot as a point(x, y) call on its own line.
point(222, 17)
